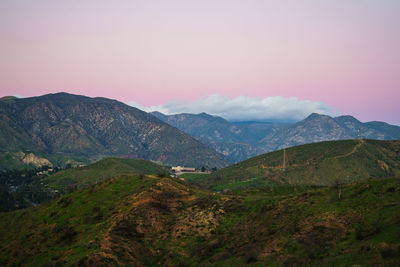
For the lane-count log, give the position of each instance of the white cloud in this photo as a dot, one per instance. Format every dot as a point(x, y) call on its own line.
point(244, 108)
point(19, 96)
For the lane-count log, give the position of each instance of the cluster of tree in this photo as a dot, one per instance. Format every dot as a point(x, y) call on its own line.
point(23, 188)
point(203, 169)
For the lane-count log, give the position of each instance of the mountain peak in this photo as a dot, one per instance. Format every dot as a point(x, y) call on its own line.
point(347, 118)
point(206, 115)
point(8, 98)
point(157, 113)
point(315, 116)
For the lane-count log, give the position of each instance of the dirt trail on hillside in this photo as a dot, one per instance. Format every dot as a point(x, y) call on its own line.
point(355, 148)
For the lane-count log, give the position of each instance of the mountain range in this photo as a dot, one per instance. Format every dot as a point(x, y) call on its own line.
point(236, 141)
point(240, 141)
point(333, 203)
point(63, 128)
point(78, 126)
point(317, 128)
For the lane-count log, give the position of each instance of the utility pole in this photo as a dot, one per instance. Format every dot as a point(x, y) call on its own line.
point(284, 160)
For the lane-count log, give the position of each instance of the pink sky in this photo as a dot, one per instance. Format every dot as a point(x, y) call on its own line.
point(342, 53)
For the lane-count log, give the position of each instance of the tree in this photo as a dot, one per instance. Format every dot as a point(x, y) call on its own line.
point(338, 185)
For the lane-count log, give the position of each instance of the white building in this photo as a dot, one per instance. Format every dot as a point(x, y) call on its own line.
point(182, 169)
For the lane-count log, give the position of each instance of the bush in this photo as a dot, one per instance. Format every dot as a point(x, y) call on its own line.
point(65, 201)
point(389, 253)
point(65, 233)
point(365, 231)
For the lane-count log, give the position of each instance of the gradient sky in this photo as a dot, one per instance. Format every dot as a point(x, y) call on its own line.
point(342, 53)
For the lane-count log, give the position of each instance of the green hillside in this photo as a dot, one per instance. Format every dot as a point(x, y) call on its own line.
point(100, 171)
point(313, 164)
point(147, 221)
point(120, 216)
point(29, 187)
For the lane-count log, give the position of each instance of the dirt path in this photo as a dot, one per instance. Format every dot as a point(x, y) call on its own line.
point(355, 148)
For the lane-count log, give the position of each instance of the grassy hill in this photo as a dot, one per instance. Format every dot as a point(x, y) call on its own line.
point(29, 187)
point(159, 221)
point(313, 164)
point(100, 171)
point(124, 212)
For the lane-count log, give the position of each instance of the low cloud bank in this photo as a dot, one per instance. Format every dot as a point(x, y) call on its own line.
point(244, 108)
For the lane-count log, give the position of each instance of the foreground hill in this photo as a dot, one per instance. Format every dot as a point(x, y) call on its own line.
point(323, 163)
point(102, 170)
point(65, 124)
point(26, 188)
point(146, 221)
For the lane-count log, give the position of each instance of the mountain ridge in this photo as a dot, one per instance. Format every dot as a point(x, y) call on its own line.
point(240, 141)
point(96, 127)
point(237, 142)
point(317, 128)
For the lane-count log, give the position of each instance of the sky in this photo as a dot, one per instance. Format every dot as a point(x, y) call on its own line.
point(244, 60)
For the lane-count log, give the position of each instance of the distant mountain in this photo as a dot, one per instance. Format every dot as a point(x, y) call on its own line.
point(65, 124)
point(317, 128)
point(239, 141)
point(204, 126)
point(320, 164)
point(234, 140)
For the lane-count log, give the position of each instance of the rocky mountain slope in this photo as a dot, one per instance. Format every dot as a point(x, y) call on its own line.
point(236, 141)
point(152, 221)
point(317, 128)
point(66, 124)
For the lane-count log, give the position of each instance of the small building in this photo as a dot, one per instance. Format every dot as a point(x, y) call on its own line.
point(182, 169)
